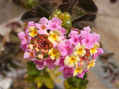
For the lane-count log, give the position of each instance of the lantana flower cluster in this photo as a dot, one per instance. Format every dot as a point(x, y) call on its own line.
point(47, 45)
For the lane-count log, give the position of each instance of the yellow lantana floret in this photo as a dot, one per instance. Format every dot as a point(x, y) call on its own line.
point(94, 49)
point(54, 36)
point(79, 50)
point(78, 70)
point(40, 56)
point(91, 64)
point(32, 31)
point(54, 53)
point(71, 60)
point(30, 46)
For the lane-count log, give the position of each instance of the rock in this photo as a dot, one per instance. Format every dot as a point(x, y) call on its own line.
point(9, 12)
point(5, 83)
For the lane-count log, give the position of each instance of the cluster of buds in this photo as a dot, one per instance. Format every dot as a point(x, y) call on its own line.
point(47, 44)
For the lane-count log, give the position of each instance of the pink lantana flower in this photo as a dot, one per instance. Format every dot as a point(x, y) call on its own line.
point(47, 45)
point(65, 48)
point(85, 31)
point(54, 24)
point(61, 63)
point(30, 24)
point(68, 72)
point(43, 20)
point(51, 64)
point(86, 37)
point(95, 37)
point(74, 37)
point(99, 52)
point(62, 30)
point(42, 25)
point(39, 64)
point(25, 39)
point(87, 41)
point(29, 55)
point(24, 46)
point(83, 73)
point(56, 20)
point(73, 33)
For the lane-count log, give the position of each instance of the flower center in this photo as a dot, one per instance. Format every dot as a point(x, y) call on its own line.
point(43, 27)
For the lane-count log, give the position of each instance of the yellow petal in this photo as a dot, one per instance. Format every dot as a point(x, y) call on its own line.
point(54, 53)
point(52, 57)
point(54, 37)
point(66, 61)
point(33, 31)
point(40, 56)
point(78, 70)
point(79, 50)
point(91, 64)
point(94, 49)
point(71, 60)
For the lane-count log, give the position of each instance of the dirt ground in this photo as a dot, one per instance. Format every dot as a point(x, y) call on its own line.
point(107, 25)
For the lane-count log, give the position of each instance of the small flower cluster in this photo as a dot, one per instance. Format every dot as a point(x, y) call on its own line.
point(47, 45)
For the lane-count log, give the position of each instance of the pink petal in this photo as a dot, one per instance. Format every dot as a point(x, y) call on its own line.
point(42, 31)
point(43, 20)
point(39, 64)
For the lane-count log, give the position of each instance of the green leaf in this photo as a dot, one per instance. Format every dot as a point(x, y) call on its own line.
point(66, 84)
point(64, 1)
point(84, 14)
point(39, 84)
point(32, 70)
point(35, 14)
point(31, 4)
point(29, 79)
point(47, 80)
point(67, 7)
point(32, 87)
point(31, 66)
point(76, 83)
point(32, 73)
point(77, 12)
point(51, 5)
point(39, 81)
point(87, 5)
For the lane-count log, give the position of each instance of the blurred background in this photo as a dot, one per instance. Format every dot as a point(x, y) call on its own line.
point(18, 73)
